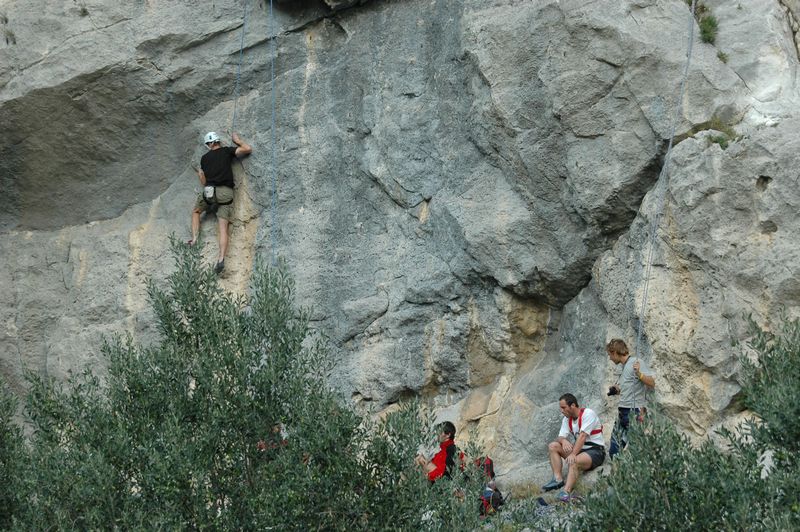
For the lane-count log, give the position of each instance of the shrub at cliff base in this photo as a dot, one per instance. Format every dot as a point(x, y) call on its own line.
point(226, 423)
point(665, 483)
point(11, 459)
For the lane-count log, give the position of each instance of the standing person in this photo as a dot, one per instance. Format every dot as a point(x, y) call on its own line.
point(443, 461)
point(632, 382)
point(586, 453)
point(216, 176)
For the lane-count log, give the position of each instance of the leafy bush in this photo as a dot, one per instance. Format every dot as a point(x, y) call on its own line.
point(663, 482)
point(771, 384)
point(226, 423)
point(708, 29)
point(707, 22)
point(11, 459)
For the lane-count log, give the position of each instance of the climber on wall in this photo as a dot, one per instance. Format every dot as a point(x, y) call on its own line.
point(635, 376)
point(216, 176)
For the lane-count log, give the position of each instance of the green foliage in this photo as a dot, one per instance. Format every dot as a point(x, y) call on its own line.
point(726, 136)
point(225, 423)
point(718, 125)
point(722, 140)
point(707, 22)
point(771, 383)
point(708, 28)
point(722, 56)
point(663, 482)
point(11, 459)
point(770, 386)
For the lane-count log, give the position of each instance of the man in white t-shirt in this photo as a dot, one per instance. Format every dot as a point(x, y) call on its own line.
point(579, 443)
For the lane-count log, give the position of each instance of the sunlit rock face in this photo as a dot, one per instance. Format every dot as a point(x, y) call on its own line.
point(464, 189)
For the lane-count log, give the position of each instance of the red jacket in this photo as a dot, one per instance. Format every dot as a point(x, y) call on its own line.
point(444, 460)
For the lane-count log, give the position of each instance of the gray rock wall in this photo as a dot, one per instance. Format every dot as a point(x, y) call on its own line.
point(465, 189)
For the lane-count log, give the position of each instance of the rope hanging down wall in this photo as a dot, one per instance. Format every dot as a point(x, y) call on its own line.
point(273, 139)
point(274, 191)
point(239, 67)
point(663, 179)
point(662, 186)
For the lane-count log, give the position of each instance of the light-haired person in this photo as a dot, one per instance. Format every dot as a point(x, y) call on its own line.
point(632, 388)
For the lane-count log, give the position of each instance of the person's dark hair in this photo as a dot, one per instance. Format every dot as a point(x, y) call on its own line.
point(449, 429)
point(569, 399)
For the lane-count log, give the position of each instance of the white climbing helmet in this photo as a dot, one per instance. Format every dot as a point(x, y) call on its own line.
point(210, 137)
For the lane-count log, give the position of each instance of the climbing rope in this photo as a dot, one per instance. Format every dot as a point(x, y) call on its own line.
point(662, 182)
point(239, 67)
point(273, 195)
point(273, 53)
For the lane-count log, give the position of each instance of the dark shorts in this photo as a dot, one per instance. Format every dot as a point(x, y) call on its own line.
point(597, 454)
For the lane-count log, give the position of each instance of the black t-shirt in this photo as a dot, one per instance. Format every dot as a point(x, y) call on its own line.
point(216, 165)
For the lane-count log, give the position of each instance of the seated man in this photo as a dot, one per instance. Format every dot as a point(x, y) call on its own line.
point(443, 461)
point(588, 451)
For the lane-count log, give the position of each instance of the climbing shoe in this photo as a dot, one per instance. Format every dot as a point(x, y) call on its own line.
point(219, 267)
point(563, 496)
point(553, 485)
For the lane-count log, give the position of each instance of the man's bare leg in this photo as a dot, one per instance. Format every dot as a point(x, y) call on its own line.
point(222, 235)
point(556, 452)
point(195, 225)
point(582, 462)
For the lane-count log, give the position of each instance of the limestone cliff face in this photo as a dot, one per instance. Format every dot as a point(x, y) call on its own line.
point(464, 188)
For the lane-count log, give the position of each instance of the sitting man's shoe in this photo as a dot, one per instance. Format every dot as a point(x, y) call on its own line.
point(219, 267)
point(553, 485)
point(563, 496)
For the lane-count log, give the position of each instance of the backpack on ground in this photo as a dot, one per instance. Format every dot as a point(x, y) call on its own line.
point(491, 499)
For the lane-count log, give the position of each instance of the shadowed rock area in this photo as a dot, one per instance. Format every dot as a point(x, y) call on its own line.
point(465, 189)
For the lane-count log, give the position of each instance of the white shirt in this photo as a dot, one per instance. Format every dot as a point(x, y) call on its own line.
point(587, 422)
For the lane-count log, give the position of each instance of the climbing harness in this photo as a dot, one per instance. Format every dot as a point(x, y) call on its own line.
point(210, 196)
point(580, 420)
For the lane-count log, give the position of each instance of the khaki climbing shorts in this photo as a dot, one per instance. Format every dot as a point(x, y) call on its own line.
point(223, 195)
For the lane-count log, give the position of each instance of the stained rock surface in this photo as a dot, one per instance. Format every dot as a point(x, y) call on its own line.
point(465, 189)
